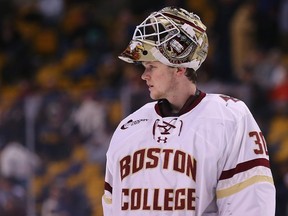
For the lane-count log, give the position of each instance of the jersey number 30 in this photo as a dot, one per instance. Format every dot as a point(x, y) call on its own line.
point(260, 142)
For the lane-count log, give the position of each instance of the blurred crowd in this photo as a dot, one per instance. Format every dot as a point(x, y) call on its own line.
point(63, 90)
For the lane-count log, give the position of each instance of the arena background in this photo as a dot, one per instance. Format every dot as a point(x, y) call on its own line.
point(63, 90)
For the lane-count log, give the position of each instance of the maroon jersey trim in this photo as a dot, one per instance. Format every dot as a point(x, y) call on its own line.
point(163, 107)
point(242, 167)
point(108, 187)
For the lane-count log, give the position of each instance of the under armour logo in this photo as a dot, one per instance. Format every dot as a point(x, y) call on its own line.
point(162, 139)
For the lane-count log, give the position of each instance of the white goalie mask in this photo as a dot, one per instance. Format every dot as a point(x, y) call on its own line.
point(172, 36)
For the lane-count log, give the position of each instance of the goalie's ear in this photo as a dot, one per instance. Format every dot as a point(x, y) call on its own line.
point(181, 70)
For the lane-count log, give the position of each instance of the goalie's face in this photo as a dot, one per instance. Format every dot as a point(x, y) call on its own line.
point(160, 79)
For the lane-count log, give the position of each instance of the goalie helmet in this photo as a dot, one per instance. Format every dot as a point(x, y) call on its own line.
point(172, 36)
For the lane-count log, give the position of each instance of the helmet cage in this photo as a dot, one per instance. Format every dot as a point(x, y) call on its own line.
point(152, 31)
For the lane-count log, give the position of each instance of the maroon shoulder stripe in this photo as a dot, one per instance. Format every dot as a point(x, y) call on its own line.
point(242, 167)
point(108, 187)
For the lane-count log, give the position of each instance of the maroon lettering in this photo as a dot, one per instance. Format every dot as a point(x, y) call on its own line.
point(179, 161)
point(191, 167)
point(156, 200)
point(227, 98)
point(125, 205)
point(138, 160)
point(168, 198)
point(167, 153)
point(154, 159)
point(180, 199)
point(145, 200)
point(191, 199)
point(135, 199)
point(175, 160)
point(125, 166)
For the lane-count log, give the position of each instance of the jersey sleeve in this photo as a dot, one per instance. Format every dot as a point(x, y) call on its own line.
point(245, 185)
point(108, 202)
point(107, 196)
point(108, 184)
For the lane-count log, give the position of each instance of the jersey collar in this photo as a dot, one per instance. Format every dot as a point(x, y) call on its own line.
point(163, 107)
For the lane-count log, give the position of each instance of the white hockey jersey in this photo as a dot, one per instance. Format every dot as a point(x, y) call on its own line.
point(209, 160)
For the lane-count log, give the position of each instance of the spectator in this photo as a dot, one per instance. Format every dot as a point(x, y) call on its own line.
point(12, 198)
point(17, 162)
